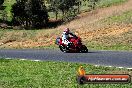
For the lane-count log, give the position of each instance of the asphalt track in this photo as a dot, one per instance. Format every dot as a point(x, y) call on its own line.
point(107, 58)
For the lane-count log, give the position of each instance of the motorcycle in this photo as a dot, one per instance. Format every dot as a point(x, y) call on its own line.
point(75, 45)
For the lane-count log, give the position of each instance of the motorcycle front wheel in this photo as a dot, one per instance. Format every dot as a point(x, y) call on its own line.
point(84, 49)
point(63, 48)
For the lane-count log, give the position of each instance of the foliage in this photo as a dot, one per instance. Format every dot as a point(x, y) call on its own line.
point(107, 3)
point(1, 2)
point(48, 74)
point(69, 8)
point(65, 6)
point(59, 9)
point(30, 13)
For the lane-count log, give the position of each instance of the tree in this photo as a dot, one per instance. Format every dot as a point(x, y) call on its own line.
point(54, 7)
point(19, 13)
point(39, 12)
point(1, 2)
point(30, 13)
point(92, 4)
point(1, 8)
point(65, 6)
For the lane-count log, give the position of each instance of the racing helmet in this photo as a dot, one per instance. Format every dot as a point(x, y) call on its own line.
point(66, 30)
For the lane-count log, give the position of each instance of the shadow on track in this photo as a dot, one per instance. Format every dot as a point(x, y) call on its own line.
point(83, 53)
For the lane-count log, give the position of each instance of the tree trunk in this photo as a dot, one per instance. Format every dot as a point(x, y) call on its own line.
point(56, 14)
point(78, 9)
point(62, 14)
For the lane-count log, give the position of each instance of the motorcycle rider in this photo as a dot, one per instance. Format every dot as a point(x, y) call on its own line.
point(65, 36)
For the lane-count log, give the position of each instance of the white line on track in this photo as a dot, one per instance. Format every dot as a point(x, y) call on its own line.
point(94, 65)
point(35, 60)
point(22, 59)
point(8, 58)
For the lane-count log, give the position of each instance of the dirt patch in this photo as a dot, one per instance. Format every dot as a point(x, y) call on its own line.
point(85, 26)
point(87, 20)
point(25, 44)
point(106, 36)
point(29, 38)
point(115, 30)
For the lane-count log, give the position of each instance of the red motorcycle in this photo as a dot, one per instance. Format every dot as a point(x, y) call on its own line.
point(75, 45)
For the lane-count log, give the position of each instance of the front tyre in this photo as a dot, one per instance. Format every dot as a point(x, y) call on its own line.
point(84, 49)
point(63, 48)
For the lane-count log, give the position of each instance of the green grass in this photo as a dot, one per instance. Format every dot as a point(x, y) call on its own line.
point(7, 11)
point(121, 42)
point(108, 43)
point(85, 6)
point(100, 4)
point(112, 42)
point(29, 35)
point(18, 35)
point(48, 74)
point(125, 17)
point(25, 35)
point(107, 3)
point(96, 46)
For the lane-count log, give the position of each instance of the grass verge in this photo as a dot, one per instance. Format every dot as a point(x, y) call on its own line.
point(115, 33)
point(101, 39)
point(125, 17)
point(97, 46)
point(107, 3)
point(48, 74)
